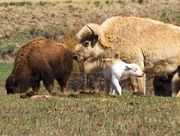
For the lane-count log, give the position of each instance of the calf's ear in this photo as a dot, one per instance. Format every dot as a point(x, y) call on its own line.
point(129, 67)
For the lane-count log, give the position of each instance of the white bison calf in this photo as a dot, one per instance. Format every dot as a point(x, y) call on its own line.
point(117, 70)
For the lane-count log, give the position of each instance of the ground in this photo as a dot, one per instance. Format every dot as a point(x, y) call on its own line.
point(23, 20)
point(90, 115)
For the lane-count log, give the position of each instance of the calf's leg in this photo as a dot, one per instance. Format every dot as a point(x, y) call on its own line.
point(106, 86)
point(115, 83)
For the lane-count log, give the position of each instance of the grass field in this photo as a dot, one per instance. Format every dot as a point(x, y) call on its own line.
point(80, 115)
point(87, 114)
point(5, 69)
point(103, 115)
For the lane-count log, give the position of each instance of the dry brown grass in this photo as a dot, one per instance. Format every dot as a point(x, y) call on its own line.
point(63, 16)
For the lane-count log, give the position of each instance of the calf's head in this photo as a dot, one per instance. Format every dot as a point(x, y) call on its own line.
point(134, 70)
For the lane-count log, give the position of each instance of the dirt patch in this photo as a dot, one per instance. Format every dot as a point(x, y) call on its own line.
point(33, 95)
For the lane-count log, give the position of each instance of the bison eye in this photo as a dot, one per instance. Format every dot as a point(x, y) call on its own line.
point(135, 69)
point(86, 43)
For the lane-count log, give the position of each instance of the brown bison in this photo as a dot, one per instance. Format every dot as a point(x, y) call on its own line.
point(153, 45)
point(38, 60)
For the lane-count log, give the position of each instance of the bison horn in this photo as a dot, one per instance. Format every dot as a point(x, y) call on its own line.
point(93, 34)
point(104, 41)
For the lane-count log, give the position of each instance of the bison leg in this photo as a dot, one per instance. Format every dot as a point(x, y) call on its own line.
point(36, 86)
point(137, 85)
point(63, 83)
point(49, 87)
point(116, 86)
point(106, 86)
point(178, 94)
point(48, 81)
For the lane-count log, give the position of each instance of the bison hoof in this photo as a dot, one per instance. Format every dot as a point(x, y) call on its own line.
point(137, 93)
point(55, 93)
point(27, 94)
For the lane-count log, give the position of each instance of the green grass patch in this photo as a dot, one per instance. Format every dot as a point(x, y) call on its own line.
point(168, 13)
point(18, 38)
point(21, 3)
point(126, 115)
point(22, 37)
point(67, 1)
point(97, 3)
point(178, 16)
point(43, 3)
point(7, 49)
point(5, 70)
point(27, 3)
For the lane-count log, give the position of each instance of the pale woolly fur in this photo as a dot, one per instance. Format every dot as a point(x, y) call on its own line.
point(153, 45)
point(100, 63)
point(149, 40)
point(89, 66)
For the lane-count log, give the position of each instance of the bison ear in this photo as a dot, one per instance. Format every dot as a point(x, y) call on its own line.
point(105, 42)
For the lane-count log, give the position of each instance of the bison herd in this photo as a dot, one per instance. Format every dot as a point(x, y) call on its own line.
point(153, 46)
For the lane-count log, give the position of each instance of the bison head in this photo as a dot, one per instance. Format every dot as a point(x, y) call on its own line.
point(92, 44)
point(16, 85)
point(12, 85)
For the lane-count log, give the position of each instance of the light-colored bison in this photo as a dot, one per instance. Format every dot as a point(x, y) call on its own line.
point(38, 60)
point(153, 45)
point(116, 70)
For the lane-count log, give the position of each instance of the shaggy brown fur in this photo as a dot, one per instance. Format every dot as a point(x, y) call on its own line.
point(153, 45)
point(162, 84)
point(38, 60)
